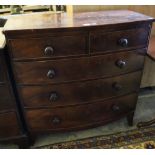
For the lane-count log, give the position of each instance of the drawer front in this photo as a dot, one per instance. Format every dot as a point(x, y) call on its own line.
point(82, 116)
point(6, 99)
point(50, 47)
point(119, 40)
point(55, 71)
point(9, 126)
point(79, 92)
point(2, 69)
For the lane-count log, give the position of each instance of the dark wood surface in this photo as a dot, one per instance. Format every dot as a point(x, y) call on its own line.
point(75, 69)
point(3, 76)
point(34, 22)
point(80, 92)
point(72, 117)
point(75, 44)
point(136, 38)
point(78, 44)
point(6, 100)
point(9, 125)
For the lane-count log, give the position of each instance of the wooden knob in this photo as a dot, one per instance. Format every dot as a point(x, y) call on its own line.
point(51, 74)
point(120, 63)
point(49, 51)
point(115, 108)
point(123, 42)
point(56, 120)
point(53, 97)
point(117, 86)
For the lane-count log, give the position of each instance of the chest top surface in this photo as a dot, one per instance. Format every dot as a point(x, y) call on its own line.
point(49, 20)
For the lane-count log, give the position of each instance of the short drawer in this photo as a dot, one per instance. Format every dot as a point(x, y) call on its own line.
point(119, 40)
point(49, 47)
point(79, 92)
point(82, 116)
point(66, 70)
point(9, 125)
point(6, 98)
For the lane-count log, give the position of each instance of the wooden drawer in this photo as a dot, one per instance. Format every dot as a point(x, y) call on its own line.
point(79, 92)
point(119, 40)
point(2, 68)
point(6, 99)
point(82, 116)
point(64, 70)
point(49, 47)
point(9, 125)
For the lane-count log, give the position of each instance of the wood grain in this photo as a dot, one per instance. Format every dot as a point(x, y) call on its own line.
point(79, 117)
point(9, 126)
point(136, 38)
point(144, 9)
point(3, 73)
point(89, 79)
point(83, 68)
point(62, 46)
point(6, 100)
point(80, 92)
point(34, 22)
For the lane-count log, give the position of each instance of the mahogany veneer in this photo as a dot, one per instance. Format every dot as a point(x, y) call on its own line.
point(82, 68)
point(11, 127)
point(81, 116)
point(79, 71)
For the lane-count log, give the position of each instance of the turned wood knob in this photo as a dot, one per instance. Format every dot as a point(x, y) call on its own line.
point(117, 86)
point(49, 51)
point(120, 63)
point(123, 42)
point(56, 120)
point(51, 74)
point(53, 97)
point(115, 108)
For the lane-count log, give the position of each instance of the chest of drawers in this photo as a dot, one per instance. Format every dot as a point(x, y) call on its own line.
point(79, 71)
point(11, 124)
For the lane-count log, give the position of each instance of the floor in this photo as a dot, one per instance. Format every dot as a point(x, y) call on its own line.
point(145, 111)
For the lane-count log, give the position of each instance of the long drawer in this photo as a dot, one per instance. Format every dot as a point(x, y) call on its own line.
point(9, 125)
point(82, 116)
point(6, 98)
point(50, 47)
point(79, 92)
point(64, 70)
point(119, 40)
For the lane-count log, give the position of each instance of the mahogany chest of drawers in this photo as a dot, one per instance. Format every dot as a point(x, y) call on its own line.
point(11, 126)
point(77, 71)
